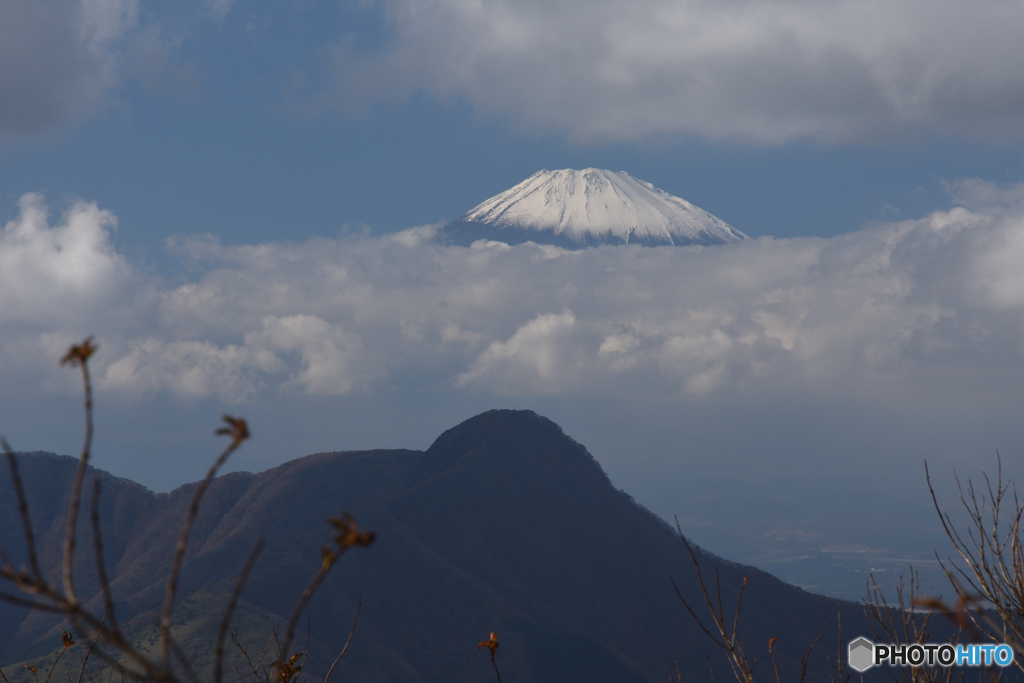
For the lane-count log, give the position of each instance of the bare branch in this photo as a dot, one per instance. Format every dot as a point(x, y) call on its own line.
point(68, 641)
point(226, 621)
point(993, 563)
point(101, 566)
point(807, 653)
point(347, 535)
point(26, 521)
point(727, 637)
point(85, 660)
point(771, 653)
point(341, 654)
point(31, 604)
point(78, 355)
point(239, 433)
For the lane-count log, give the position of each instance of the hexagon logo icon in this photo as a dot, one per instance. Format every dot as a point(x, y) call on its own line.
point(861, 655)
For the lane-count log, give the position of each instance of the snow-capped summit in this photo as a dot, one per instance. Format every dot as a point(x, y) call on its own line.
point(577, 209)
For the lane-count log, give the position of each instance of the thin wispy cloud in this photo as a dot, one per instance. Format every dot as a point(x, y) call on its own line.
point(762, 71)
point(64, 62)
point(59, 60)
point(898, 309)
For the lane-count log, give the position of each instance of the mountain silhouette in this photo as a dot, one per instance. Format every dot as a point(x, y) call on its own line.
point(504, 524)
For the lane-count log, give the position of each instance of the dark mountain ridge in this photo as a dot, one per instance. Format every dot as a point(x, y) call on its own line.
point(504, 524)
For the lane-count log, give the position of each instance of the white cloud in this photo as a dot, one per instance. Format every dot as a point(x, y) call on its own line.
point(189, 369)
point(60, 268)
point(543, 355)
point(700, 359)
point(976, 193)
point(923, 308)
point(331, 357)
point(59, 283)
point(767, 71)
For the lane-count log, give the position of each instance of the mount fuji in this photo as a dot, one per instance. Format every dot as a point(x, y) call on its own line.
point(576, 209)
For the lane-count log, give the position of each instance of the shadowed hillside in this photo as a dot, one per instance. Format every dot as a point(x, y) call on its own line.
point(504, 524)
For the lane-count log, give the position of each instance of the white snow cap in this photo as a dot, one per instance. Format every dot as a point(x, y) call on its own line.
point(593, 206)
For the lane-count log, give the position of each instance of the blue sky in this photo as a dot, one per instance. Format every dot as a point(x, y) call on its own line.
point(228, 193)
point(232, 121)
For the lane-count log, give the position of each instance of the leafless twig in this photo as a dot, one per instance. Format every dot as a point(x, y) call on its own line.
point(78, 355)
point(725, 637)
point(101, 565)
point(26, 522)
point(348, 640)
point(346, 535)
point(238, 430)
point(226, 620)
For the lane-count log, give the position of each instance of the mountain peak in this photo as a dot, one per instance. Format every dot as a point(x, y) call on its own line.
point(504, 524)
point(514, 442)
point(591, 207)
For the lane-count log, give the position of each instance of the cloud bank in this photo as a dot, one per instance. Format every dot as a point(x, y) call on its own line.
point(754, 71)
point(924, 310)
point(762, 71)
